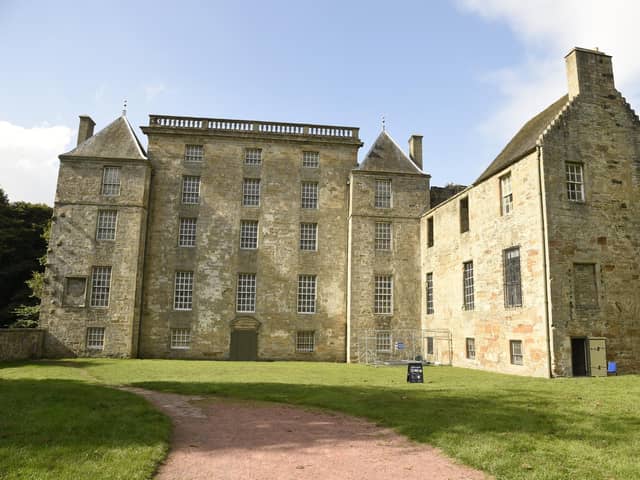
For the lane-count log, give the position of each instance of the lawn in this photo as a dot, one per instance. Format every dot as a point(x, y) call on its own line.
point(511, 427)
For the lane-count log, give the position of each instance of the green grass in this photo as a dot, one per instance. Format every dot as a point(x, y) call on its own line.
point(511, 427)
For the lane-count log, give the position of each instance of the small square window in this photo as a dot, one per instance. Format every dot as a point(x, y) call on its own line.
point(517, 356)
point(305, 341)
point(471, 348)
point(310, 159)
point(309, 236)
point(193, 153)
point(309, 195)
point(183, 291)
point(251, 192)
point(95, 338)
point(106, 228)
point(187, 233)
point(248, 234)
point(575, 182)
point(383, 236)
point(180, 338)
point(190, 190)
point(383, 193)
point(253, 156)
point(111, 181)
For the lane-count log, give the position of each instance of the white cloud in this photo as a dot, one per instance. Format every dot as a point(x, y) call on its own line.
point(29, 160)
point(549, 29)
point(152, 91)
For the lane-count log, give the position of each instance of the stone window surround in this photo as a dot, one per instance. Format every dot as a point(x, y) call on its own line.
point(307, 294)
point(516, 352)
point(512, 277)
point(383, 294)
point(430, 232)
point(305, 341)
point(82, 297)
point(429, 288)
point(468, 294)
point(106, 225)
point(95, 338)
point(383, 193)
point(470, 348)
point(574, 174)
point(309, 195)
point(246, 293)
point(187, 231)
point(506, 194)
point(251, 192)
point(464, 214)
point(308, 236)
point(193, 153)
point(253, 156)
point(183, 291)
point(190, 189)
point(248, 234)
point(110, 181)
point(383, 236)
point(310, 159)
point(100, 286)
point(180, 338)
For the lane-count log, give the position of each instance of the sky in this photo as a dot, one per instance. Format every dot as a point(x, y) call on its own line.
point(466, 74)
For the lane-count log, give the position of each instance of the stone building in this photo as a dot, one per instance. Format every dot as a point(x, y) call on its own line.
point(232, 239)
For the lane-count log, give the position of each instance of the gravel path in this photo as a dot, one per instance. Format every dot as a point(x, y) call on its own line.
point(218, 439)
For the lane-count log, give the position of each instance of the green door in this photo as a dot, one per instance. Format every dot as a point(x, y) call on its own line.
point(244, 345)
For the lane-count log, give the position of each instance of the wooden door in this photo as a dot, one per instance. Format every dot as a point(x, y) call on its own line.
point(244, 345)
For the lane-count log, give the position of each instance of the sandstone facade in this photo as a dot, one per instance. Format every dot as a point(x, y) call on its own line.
point(259, 240)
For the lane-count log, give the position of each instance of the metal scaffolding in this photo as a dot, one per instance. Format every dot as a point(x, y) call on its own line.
point(373, 346)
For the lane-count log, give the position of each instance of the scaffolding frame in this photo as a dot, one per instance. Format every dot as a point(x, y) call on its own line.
point(405, 345)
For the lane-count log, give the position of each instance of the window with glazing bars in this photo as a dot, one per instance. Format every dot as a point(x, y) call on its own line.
point(467, 285)
point(308, 236)
point(187, 233)
point(383, 341)
point(100, 286)
point(310, 159)
point(180, 338)
point(253, 156)
point(516, 352)
point(471, 348)
point(193, 153)
point(383, 193)
point(383, 299)
point(506, 194)
point(383, 236)
point(305, 341)
point(246, 293)
point(251, 192)
point(512, 280)
point(429, 293)
point(248, 234)
point(575, 182)
point(430, 232)
point(309, 192)
point(306, 294)
point(106, 229)
point(111, 181)
point(190, 189)
point(183, 291)
point(95, 338)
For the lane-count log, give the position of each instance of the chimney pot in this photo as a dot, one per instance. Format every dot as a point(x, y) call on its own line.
point(415, 150)
point(85, 129)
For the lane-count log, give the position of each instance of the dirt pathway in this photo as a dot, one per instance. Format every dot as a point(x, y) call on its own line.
point(223, 440)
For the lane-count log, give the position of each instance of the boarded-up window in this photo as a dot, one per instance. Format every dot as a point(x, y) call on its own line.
point(585, 290)
point(464, 214)
point(75, 291)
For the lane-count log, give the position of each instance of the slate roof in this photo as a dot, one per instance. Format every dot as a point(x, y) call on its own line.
point(525, 140)
point(116, 140)
point(386, 156)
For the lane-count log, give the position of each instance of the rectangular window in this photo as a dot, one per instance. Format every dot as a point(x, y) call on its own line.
point(111, 181)
point(100, 286)
point(309, 196)
point(310, 159)
point(187, 233)
point(251, 192)
point(585, 288)
point(95, 338)
point(248, 234)
point(305, 341)
point(193, 153)
point(383, 236)
point(429, 345)
point(306, 294)
point(246, 293)
point(429, 293)
point(464, 214)
point(383, 300)
point(471, 348)
point(512, 281)
point(515, 346)
point(308, 236)
point(467, 285)
point(575, 182)
point(430, 232)
point(506, 194)
point(383, 341)
point(183, 291)
point(75, 291)
point(383, 193)
point(253, 156)
point(190, 189)
point(180, 338)
point(106, 229)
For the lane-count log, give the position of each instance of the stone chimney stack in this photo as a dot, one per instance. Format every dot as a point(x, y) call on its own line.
point(589, 73)
point(85, 129)
point(415, 150)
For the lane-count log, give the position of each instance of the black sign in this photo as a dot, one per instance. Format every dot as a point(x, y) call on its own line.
point(414, 373)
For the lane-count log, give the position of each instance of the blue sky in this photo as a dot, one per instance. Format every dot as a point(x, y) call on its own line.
point(465, 74)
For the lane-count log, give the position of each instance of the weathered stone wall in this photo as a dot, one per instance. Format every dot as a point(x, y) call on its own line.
point(217, 258)
point(20, 343)
point(490, 323)
point(600, 132)
point(410, 197)
point(74, 251)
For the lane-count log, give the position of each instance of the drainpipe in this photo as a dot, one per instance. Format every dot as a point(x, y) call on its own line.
point(545, 260)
